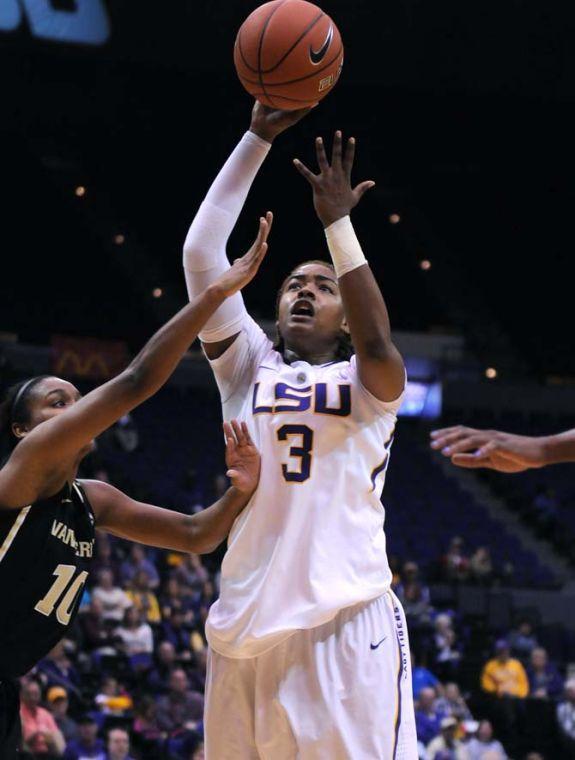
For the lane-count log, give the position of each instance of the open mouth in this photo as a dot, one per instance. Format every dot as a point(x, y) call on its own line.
point(302, 308)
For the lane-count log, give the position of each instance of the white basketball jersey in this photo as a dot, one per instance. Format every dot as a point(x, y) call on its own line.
point(310, 542)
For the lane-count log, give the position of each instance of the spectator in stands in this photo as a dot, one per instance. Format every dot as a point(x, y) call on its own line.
point(58, 704)
point(118, 745)
point(414, 597)
point(566, 718)
point(135, 634)
point(483, 745)
point(447, 654)
point(146, 722)
point(191, 572)
point(446, 746)
point(113, 599)
point(456, 563)
point(87, 746)
point(522, 640)
point(97, 635)
point(177, 632)
point(175, 598)
point(143, 599)
point(112, 698)
point(453, 703)
point(138, 561)
point(544, 679)
point(503, 675)
point(180, 708)
point(126, 434)
point(427, 719)
point(158, 678)
point(57, 669)
point(421, 677)
point(104, 558)
point(40, 733)
point(481, 566)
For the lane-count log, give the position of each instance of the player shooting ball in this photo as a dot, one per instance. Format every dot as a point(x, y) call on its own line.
point(306, 634)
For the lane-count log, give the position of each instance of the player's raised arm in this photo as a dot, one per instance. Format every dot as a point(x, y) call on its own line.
point(205, 246)
point(380, 365)
point(504, 452)
point(202, 532)
point(48, 451)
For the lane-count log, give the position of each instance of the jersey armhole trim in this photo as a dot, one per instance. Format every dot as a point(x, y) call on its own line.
point(13, 531)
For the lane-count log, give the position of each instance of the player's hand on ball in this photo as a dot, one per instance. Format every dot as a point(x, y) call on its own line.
point(244, 269)
point(242, 457)
point(333, 194)
point(491, 449)
point(268, 123)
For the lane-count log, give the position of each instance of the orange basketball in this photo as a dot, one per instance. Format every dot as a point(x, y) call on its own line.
point(288, 54)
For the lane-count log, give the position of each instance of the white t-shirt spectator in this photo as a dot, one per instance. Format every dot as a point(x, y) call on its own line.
point(137, 640)
point(114, 602)
point(478, 750)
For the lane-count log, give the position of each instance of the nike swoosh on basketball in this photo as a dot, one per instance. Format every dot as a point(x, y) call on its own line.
point(319, 56)
point(374, 646)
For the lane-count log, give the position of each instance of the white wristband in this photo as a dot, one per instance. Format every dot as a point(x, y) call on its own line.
point(344, 246)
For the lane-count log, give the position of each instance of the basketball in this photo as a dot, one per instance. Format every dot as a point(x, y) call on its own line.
point(288, 54)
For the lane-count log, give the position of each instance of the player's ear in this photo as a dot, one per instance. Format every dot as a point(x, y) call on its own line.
point(19, 430)
point(344, 326)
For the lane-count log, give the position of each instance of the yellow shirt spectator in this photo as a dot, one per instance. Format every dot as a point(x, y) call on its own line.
point(146, 602)
point(504, 675)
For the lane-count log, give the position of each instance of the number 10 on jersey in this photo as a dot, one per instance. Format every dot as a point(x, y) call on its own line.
point(301, 450)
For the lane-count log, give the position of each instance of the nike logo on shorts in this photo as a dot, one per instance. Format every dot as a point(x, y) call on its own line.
point(375, 646)
point(319, 56)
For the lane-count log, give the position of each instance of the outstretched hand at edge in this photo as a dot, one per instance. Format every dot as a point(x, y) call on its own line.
point(242, 457)
point(244, 269)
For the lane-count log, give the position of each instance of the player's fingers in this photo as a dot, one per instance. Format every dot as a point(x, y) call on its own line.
point(349, 156)
point(336, 149)
point(451, 436)
point(446, 431)
point(471, 461)
point(464, 446)
point(322, 161)
point(304, 171)
point(246, 433)
point(231, 474)
point(362, 188)
point(230, 437)
point(239, 433)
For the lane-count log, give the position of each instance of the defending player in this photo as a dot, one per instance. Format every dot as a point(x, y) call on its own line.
point(504, 452)
point(47, 517)
point(309, 653)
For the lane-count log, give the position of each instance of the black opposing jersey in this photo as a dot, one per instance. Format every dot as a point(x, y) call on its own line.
point(45, 551)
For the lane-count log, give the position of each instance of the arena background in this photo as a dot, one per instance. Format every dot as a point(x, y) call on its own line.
point(464, 117)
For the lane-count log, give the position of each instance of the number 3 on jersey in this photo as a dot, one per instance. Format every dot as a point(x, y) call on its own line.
point(63, 585)
point(301, 452)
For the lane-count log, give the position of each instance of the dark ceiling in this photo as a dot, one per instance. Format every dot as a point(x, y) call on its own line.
point(464, 117)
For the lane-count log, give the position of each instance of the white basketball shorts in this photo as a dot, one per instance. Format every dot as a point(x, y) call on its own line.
point(341, 691)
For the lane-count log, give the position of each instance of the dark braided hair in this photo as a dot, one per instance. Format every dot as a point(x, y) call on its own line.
point(344, 349)
point(15, 408)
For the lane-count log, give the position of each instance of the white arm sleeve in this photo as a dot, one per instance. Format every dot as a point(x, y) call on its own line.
point(205, 247)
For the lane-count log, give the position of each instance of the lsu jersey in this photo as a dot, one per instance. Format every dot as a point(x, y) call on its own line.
point(311, 540)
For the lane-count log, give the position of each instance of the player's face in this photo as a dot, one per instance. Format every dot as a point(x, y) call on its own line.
point(49, 398)
point(310, 306)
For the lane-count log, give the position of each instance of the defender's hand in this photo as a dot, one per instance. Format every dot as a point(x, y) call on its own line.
point(491, 449)
point(268, 123)
point(244, 269)
point(333, 195)
point(242, 457)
